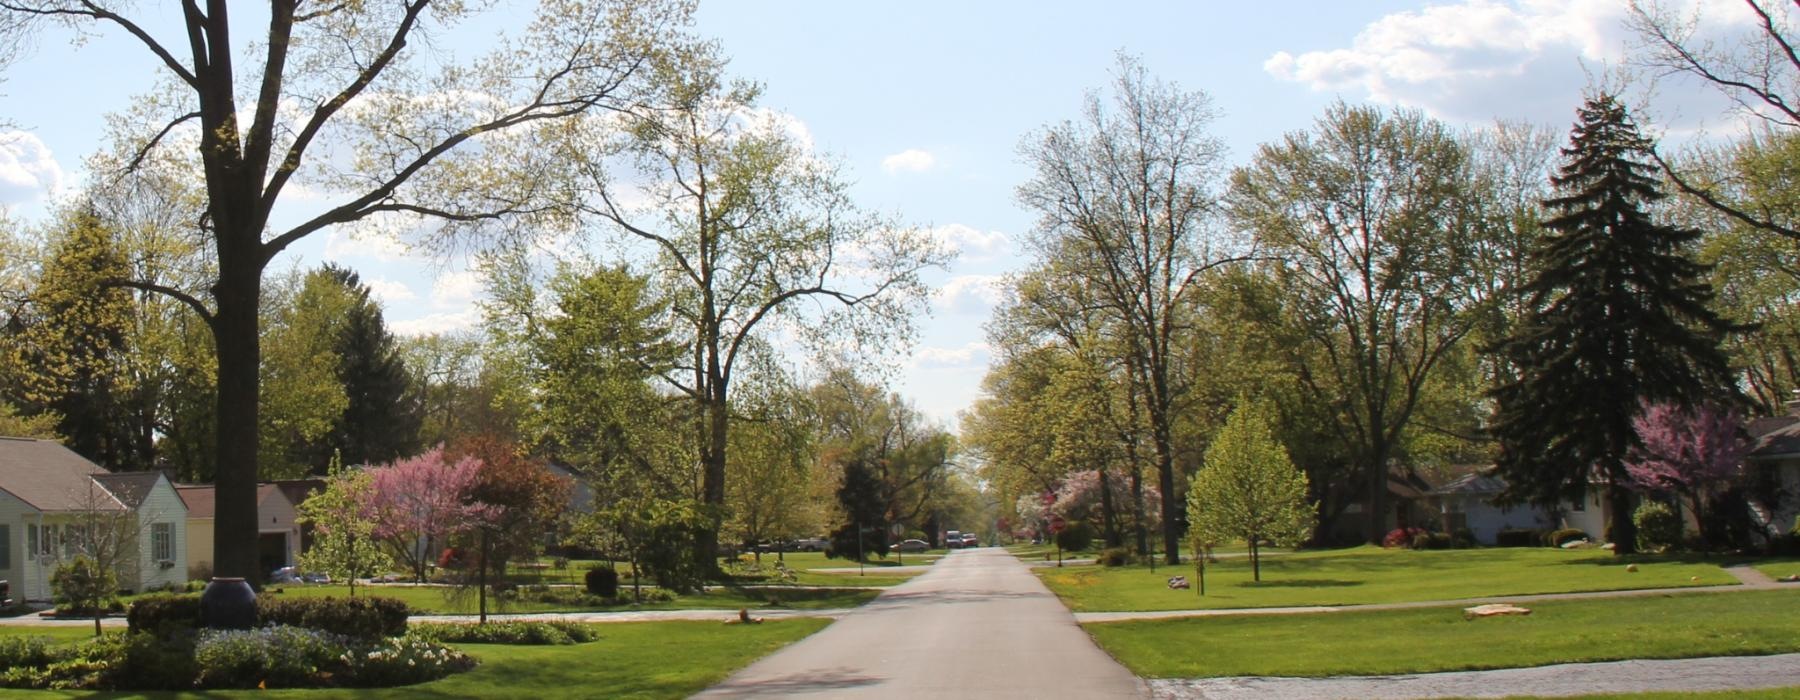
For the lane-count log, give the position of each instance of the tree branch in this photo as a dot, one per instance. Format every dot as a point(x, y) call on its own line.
point(189, 300)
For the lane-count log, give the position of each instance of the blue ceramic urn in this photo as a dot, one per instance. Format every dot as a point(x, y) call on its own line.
point(228, 604)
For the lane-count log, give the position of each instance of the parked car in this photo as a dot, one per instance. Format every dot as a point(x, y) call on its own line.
point(289, 574)
point(809, 544)
point(909, 546)
point(970, 540)
point(6, 600)
point(953, 539)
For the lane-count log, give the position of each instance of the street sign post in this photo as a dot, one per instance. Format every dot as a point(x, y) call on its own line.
point(1057, 525)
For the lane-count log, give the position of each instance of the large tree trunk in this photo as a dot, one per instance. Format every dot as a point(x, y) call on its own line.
point(1109, 515)
point(1165, 480)
point(712, 480)
point(237, 340)
point(1623, 533)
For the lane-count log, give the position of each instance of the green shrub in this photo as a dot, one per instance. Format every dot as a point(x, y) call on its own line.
point(1658, 527)
point(367, 617)
point(24, 651)
point(152, 662)
point(1558, 538)
point(1463, 538)
point(1514, 537)
point(164, 614)
point(273, 656)
point(1075, 537)
point(404, 661)
point(1114, 556)
point(603, 581)
point(81, 585)
point(524, 632)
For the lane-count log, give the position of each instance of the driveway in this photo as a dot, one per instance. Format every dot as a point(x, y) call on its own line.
point(977, 625)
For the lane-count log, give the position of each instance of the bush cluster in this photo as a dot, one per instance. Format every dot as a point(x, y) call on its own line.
point(367, 617)
point(273, 656)
point(603, 581)
point(356, 618)
point(524, 632)
point(1114, 556)
point(277, 656)
point(1402, 537)
point(1076, 537)
point(1658, 526)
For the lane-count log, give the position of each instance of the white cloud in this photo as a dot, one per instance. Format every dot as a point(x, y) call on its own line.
point(438, 323)
point(455, 289)
point(364, 242)
point(970, 355)
point(971, 294)
point(1480, 59)
point(971, 244)
point(911, 160)
point(28, 171)
point(389, 291)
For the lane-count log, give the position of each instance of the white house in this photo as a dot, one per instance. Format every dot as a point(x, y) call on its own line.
point(1467, 502)
point(52, 501)
point(1775, 456)
point(277, 532)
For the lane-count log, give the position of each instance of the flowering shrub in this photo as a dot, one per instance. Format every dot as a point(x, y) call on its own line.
point(1401, 537)
point(511, 632)
point(403, 661)
point(273, 656)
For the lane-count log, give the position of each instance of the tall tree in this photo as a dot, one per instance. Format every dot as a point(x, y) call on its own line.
point(350, 98)
point(1126, 195)
point(380, 420)
point(751, 231)
point(1754, 64)
point(1369, 217)
point(1619, 316)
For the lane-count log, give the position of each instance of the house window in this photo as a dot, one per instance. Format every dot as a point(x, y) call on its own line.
point(162, 542)
point(5, 546)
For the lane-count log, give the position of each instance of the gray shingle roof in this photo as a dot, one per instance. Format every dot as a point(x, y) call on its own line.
point(50, 477)
point(131, 488)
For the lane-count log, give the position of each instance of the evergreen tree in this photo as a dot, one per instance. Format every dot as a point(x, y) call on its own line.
point(381, 418)
point(1617, 315)
point(863, 499)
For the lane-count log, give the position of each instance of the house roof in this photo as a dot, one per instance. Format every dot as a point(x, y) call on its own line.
point(1475, 483)
point(298, 490)
point(1774, 437)
point(131, 488)
point(202, 499)
point(50, 477)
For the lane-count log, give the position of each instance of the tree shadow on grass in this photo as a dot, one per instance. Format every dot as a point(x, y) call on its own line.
point(1300, 583)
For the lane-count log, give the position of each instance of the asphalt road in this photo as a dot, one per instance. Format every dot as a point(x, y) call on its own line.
point(978, 625)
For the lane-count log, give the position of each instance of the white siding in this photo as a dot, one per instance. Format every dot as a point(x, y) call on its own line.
point(163, 505)
point(29, 582)
point(277, 514)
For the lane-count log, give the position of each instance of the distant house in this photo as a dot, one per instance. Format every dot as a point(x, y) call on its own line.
point(1467, 502)
point(278, 535)
point(51, 499)
point(1775, 452)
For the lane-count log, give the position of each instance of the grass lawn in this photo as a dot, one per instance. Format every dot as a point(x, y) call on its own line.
point(638, 660)
point(1375, 575)
point(433, 599)
point(1438, 639)
point(1778, 567)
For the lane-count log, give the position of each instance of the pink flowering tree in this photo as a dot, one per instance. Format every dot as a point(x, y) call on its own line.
point(1687, 452)
point(1078, 500)
point(419, 502)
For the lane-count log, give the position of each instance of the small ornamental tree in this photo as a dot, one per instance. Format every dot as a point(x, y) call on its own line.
point(85, 586)
point(1078, 497)
point(423, 500)
point(1687, 452)
point(1248, 488)
point(343, 543)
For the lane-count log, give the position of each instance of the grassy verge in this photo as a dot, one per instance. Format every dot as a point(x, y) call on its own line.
point(1375, 575)
point(1439, 639)
point(437, 600)
point(640, 661)
point(1778, 568)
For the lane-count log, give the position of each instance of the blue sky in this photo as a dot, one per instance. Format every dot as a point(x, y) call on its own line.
point(926, 102)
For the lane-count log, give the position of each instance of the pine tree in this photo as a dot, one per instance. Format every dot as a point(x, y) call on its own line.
point(1617, 315)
